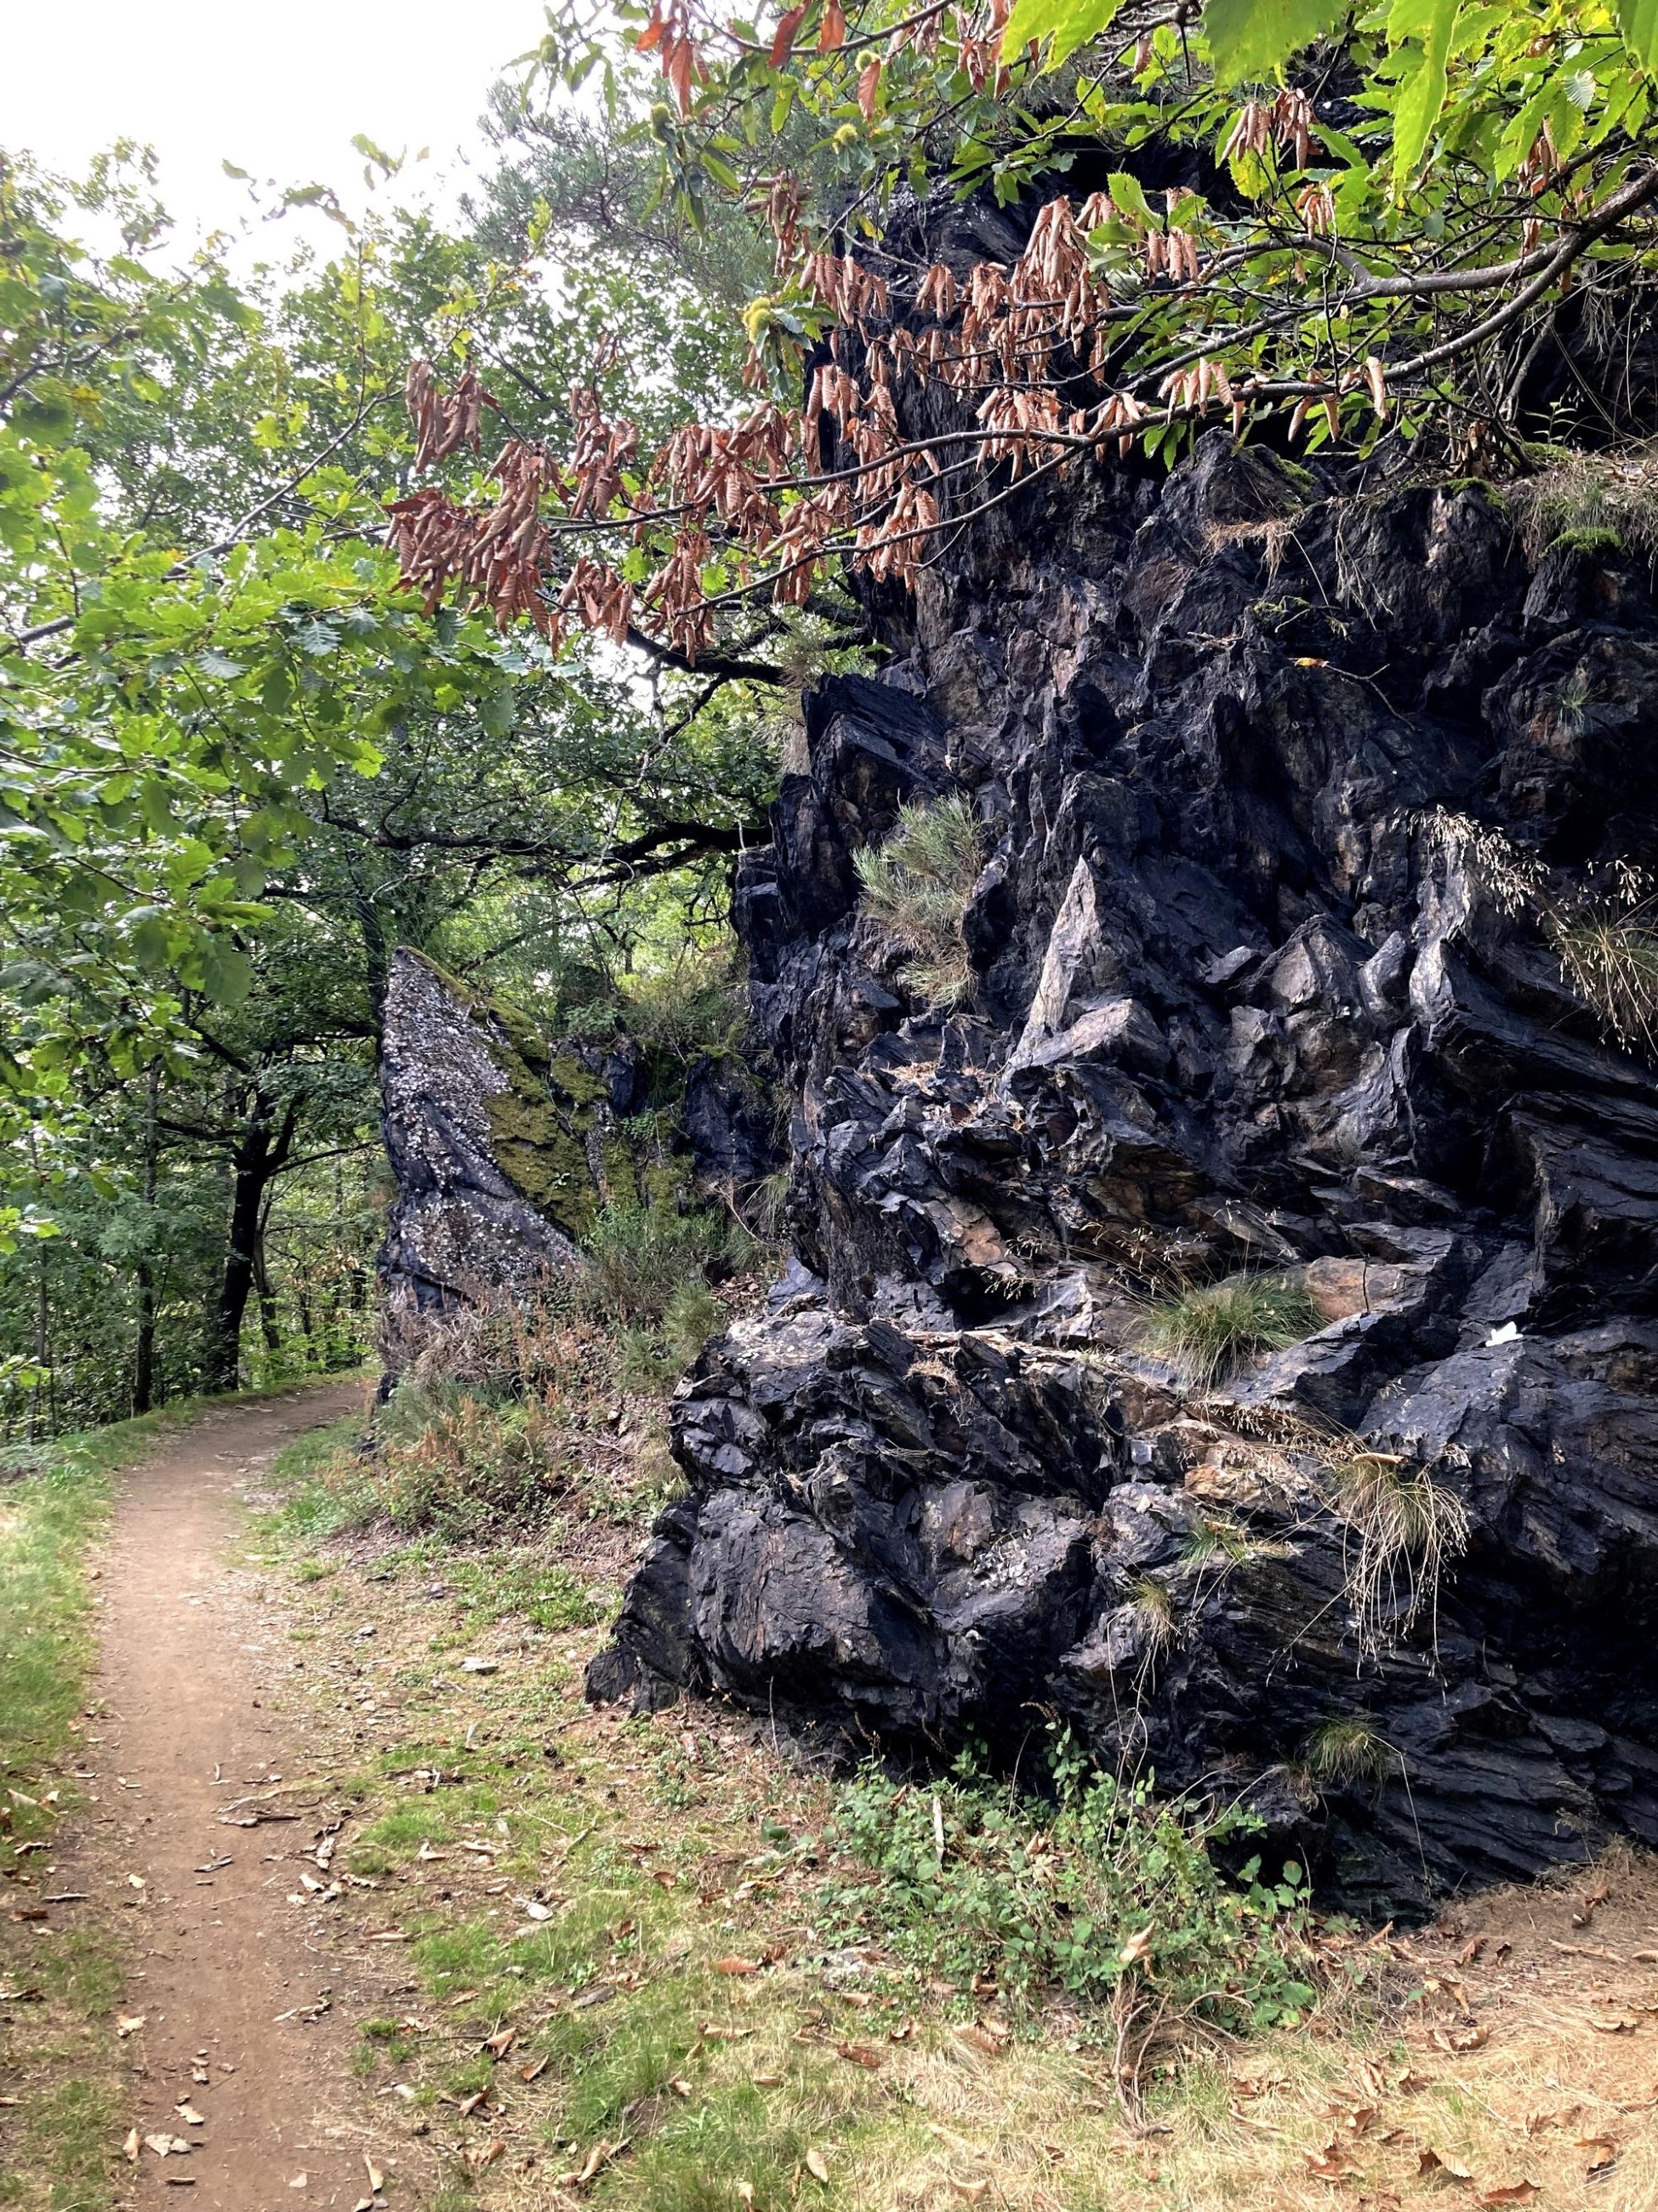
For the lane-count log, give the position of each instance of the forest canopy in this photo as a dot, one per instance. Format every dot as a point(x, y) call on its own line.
point(458, 591)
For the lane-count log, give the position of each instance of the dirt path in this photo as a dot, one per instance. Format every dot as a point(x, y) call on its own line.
point(188, 1743)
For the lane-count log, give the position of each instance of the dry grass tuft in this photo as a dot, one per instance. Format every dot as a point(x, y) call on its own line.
point(1407, 1530)
point(1586, 497)
point(1613, 965)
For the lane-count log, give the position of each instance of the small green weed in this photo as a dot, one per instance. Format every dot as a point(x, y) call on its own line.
point(639, 1257)
point(1100, 1882)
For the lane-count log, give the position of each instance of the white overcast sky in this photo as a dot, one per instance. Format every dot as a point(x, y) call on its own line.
point(277, 89)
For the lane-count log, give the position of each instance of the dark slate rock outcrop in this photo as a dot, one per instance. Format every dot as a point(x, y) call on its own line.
point(1260, 752)
point(505, 1145)
point(461, 1225)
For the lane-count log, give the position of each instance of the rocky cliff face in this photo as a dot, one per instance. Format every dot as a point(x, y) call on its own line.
point(1281, 773)
point(505, 1146)
point(498, 1156)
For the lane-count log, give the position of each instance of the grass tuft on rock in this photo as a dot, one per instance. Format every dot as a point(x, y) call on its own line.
point(1210, 1330)
point(1348, 1750)
point(915, 889)
point(1613, 965)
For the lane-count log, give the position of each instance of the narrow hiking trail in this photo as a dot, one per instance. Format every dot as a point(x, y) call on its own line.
point(191, 1833)
point(395, 1906)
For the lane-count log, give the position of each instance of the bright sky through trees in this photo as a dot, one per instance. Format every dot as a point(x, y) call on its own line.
point(278, 89)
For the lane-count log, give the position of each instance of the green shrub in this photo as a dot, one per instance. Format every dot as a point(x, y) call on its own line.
point(635, 1257)
point(1087, 1889)
point(915, 888)
point(1209, 1332)
point(655, 1358)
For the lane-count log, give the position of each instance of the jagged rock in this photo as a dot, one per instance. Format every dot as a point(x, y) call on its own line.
point(1248, 995)
point(504, 1145)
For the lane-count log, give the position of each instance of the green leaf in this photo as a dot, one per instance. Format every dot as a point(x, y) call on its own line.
point(1066, 24)
point(227, 975)
point(1638, 22)
point(1252, 38)
point(1422, 96)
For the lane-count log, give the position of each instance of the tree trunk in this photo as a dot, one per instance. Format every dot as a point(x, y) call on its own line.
point(144, 1356)
point(258, 1159)
point(267, 1297)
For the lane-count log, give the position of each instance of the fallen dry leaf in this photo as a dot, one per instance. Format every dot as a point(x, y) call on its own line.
point(376, 2178)
point(1329, 2164)
point(130, 2147)
point(818, 2167)
point(1428, 2163)
point(166, 2146)
point(1461, 2038)
point(973, 2189)
point(486, 2155)
point(188, 2113)
point(1602, 2150)
point(502, 2044)
point(736, 1966)
point(1510, 2192)
point(129, 2025)
point(1138, 1948)
point(863, 2054)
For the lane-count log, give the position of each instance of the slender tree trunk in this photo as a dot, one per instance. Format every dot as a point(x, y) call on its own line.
point(143, 1358)
point(259, 1157)
point(267, 1298)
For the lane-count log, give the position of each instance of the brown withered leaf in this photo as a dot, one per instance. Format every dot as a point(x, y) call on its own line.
point(1461, 2038)
point(1329, 2164)
point(1430, 2164)
point(1510, 2192)
point(818, 2167)
point(130, 2148)
point(485, 2156)
point(863, 2054)
point(1603, 2152)
point(736, 1965)
point(499, 2045)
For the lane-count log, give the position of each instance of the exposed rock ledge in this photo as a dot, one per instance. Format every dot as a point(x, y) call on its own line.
point(1245, 998)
